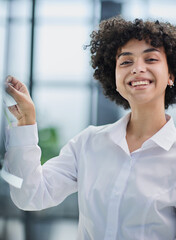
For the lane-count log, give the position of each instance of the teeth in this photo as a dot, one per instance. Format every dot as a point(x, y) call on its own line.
point(137, 83)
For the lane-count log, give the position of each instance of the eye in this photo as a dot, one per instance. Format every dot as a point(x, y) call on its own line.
point(151, 60)
point(125, 63)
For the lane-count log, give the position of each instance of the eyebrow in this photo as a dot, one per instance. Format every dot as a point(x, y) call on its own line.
point(145, 51)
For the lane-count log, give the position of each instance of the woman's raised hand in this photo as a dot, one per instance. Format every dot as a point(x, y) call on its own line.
point(24, 110)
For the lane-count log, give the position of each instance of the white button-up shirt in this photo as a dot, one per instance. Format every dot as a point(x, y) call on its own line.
point(121, 196)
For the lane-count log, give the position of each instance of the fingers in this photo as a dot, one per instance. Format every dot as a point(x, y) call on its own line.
point(14, 110)
point(16, 89)
point(14, 93)
point(11, 81)
point(24, 110)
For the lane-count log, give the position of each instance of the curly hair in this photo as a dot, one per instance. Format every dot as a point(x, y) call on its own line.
point(113, 34)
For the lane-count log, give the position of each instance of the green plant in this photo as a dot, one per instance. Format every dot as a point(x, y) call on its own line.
point(49, 143)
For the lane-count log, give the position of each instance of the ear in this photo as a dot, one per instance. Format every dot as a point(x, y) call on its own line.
point(171, 79)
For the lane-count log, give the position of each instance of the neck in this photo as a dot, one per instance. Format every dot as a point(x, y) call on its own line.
point(145, 121)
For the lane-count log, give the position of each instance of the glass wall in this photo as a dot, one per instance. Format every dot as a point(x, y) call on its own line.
point(157, 9)
point(58, 68)
point(61, 75)
point(3, 9)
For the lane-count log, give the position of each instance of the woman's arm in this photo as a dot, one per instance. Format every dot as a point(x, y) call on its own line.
point(43, 186)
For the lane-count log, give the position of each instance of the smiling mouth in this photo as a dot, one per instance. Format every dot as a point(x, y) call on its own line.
point(140, 83)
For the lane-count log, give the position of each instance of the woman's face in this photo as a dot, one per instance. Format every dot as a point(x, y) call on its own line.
point(142, 73)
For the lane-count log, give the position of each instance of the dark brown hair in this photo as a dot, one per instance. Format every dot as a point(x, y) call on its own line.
point(114, 33)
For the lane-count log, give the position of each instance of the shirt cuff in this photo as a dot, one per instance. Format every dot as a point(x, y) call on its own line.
point(22, 136)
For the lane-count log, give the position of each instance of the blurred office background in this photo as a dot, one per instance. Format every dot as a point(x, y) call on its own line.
point(41, 44)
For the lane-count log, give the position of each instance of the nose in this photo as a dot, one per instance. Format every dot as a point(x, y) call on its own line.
point(139, 67)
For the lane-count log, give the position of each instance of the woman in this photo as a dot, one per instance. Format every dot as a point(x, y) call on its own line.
point(125, 173)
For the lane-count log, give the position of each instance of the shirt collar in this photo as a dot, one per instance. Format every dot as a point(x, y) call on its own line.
point(117, 132)
point(164, 138)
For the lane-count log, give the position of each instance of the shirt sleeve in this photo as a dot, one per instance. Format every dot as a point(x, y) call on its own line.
point(43, 186)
